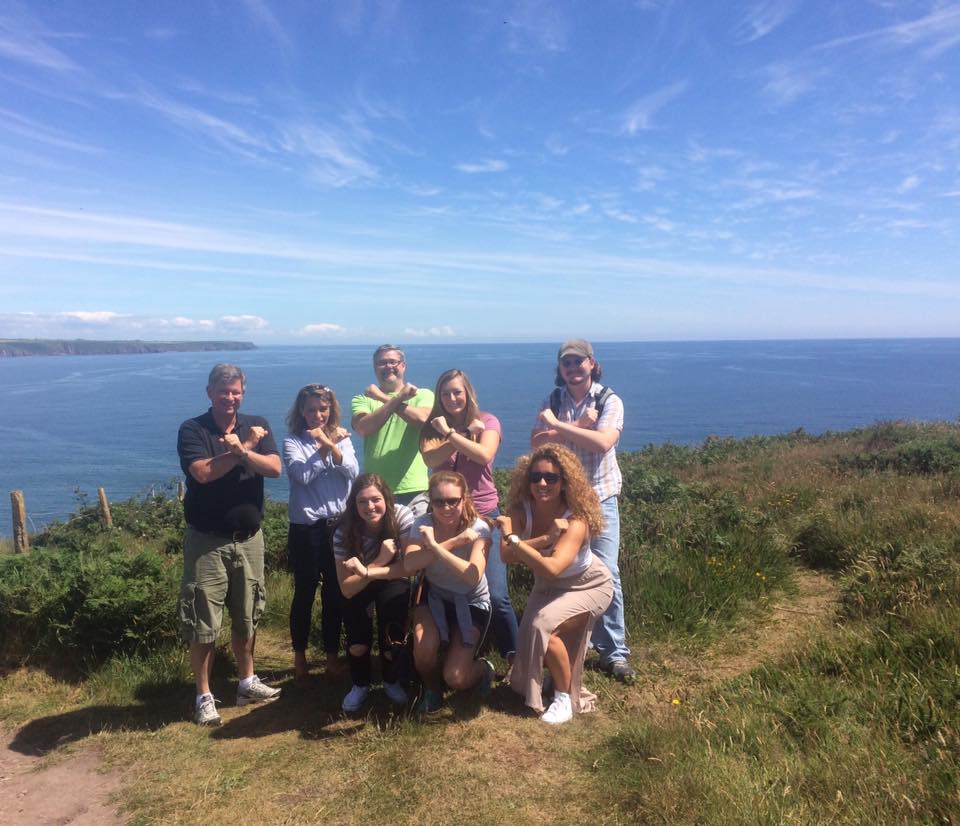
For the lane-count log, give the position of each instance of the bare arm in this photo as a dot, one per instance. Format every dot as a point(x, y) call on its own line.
point(479, 444)
point(236, 453)
point(596, 441)
point(470, 570)
point(565, 549)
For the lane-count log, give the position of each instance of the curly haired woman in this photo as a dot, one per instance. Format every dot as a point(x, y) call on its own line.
point(552, 511)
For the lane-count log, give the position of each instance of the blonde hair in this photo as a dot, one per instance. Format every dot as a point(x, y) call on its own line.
point(471, 411)
point(575, 490)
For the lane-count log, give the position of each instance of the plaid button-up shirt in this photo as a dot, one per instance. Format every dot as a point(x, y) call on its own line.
point(602, 468)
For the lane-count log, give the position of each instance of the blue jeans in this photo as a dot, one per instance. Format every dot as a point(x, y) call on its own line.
point(609, 636)
point(504, 619)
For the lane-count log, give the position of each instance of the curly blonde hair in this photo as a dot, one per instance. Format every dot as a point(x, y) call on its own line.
point(575, 490)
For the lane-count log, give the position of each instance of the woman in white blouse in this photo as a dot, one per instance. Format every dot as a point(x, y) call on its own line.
point(321, 466)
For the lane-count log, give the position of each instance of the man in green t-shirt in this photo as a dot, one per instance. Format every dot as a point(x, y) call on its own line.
point(389, 416)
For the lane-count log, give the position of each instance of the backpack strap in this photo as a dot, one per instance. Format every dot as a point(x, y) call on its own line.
point(600, 398)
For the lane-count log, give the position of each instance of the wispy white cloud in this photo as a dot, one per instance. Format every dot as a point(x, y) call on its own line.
point(41, 133)
point(244, 322)
point(24, 40)
point(107, 323)
point(491, 165)
point(331, 160)
point(763, 17)
point(786, 82)
point(639, 115)
point(265, 20)
point(444, 331)
point(91, 316)
point(933, 34)
point(322, 329)
point(908, 183)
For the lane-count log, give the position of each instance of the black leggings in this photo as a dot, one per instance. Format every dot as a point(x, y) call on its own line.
point(391, 598)
point(310, 558)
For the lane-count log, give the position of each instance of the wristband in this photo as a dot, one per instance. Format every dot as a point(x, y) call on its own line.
point(513, 540)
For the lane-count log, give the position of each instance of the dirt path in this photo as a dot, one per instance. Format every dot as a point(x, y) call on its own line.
point(36, 792)
point(72, 789)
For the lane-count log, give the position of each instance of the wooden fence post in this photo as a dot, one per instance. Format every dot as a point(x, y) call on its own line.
point(105, 518)
point(21, 540)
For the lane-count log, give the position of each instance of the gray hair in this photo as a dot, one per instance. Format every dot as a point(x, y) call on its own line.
point(226, 373)
point(387, 348)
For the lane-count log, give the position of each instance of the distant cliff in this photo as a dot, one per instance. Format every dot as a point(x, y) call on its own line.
point(11, 347)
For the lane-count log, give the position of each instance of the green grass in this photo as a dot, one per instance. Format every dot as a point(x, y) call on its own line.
point(750, 707)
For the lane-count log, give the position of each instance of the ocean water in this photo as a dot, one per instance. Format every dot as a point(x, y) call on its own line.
point(75, 423)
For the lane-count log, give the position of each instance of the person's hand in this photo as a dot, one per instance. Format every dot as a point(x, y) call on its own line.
point(547, 417)
point(231, 441)
point(588, 418)
point(388, 549)
point(375, 393)
point(408, 391)
point(440, 425)
point(320, 437)
point(505, 523)
point(354, 566)
point(256, 435)
point(557, 529)
point(342, 433)
point(475, 428)
point(427, 535)
point(468, 536)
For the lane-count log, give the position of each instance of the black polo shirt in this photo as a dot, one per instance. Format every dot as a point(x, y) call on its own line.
point(234, 502)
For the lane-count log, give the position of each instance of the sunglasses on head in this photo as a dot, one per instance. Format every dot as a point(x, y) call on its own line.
point(450, 502)
point(315, 388)
point(536, 477)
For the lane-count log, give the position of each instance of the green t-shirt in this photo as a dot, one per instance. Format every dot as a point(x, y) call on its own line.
point(394, 450)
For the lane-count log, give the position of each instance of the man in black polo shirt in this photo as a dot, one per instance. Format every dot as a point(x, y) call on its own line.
point(224, 455)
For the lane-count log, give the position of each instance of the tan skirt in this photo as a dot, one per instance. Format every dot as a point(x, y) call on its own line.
point(551, 603)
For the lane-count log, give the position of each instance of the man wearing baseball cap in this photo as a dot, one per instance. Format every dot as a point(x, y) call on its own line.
point(587, 417)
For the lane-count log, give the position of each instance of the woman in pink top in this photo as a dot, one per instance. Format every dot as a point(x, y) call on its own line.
point(458, 436)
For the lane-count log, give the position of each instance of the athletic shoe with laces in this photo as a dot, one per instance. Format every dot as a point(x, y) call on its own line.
point(395, 693)
point(621, 670)
point(429, 703)
point(206, 713)
point(355, 698)
point(256, 692)
point(560, 711)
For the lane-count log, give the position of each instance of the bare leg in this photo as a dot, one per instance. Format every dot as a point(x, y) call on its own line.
point(460, 670)
point(243, 653)
point(426, 647)
point(557, 656)
point(201, 661)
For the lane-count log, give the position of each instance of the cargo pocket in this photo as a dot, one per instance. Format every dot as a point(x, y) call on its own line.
point(187, 612)
point(259, 603)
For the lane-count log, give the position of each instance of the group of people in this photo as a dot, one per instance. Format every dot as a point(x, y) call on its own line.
point(424, 515)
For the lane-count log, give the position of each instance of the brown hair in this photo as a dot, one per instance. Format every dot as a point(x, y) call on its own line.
point(449, 477)
point(575, 490)
point(352, 523)
point(295, 419)
point(225, 374)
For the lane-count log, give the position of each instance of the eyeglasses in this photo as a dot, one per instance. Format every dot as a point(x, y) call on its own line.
point(536, 477)
point(389, 363)
point(572, 361)
point(450, 502)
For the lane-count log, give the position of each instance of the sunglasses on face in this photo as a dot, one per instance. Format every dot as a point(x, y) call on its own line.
point(572, 361)
point(450, 502)
point(536, 477)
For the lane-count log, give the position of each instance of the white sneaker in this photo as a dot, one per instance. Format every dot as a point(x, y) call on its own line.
point(256, 692)
point(395, 693)
point(560, 711)
point(206, 712)
point(355, 698)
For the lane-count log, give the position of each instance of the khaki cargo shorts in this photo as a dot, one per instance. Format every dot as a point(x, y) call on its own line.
point(218, 571)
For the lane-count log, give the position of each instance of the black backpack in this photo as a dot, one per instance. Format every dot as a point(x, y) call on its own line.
point(599, 399)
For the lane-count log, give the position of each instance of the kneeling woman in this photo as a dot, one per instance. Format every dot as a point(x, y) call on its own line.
point(368, 538)
point(552, 510)
point(450, 544)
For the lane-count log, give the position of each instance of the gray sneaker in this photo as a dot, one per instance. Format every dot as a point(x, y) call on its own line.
point(256, 692)
point(206, 713)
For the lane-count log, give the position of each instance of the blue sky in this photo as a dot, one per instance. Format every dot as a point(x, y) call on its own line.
point(349, 171)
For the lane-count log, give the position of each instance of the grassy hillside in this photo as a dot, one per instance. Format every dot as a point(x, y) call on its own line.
point(793, 607)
